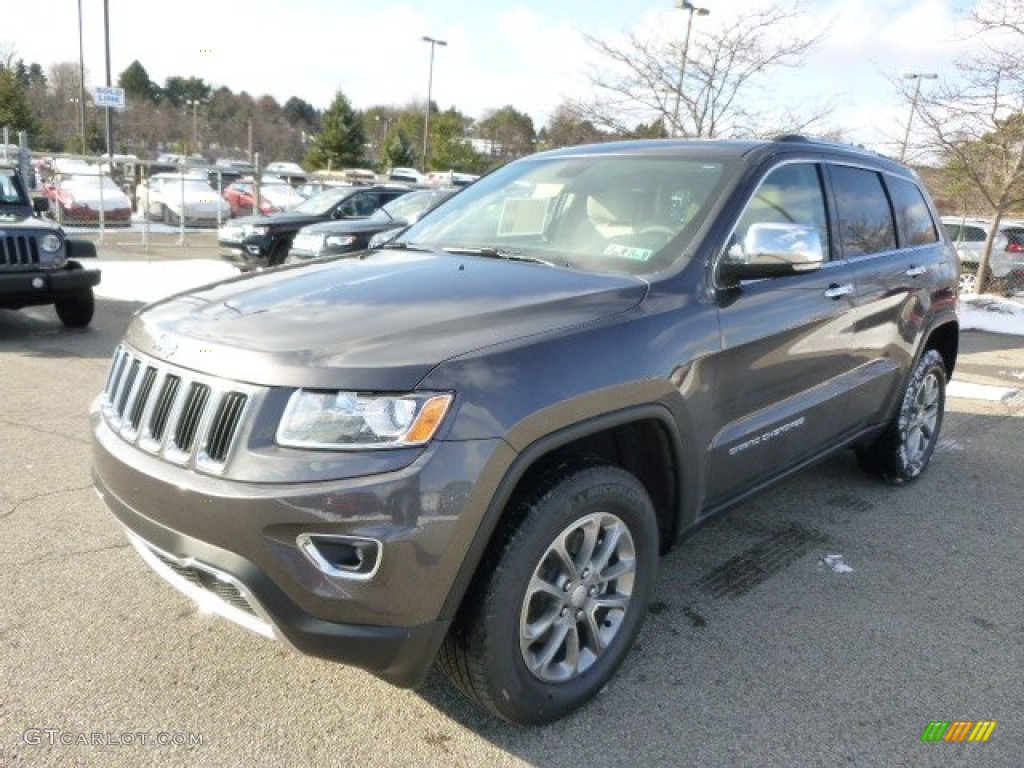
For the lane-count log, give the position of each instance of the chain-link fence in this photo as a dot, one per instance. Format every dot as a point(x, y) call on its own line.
point(142, 202)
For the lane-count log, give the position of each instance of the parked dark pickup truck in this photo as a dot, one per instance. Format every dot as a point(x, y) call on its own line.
point(471, 445)
point(38, 264)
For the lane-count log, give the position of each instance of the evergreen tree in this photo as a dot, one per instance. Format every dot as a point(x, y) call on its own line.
point(15, 110)
point(341, 142)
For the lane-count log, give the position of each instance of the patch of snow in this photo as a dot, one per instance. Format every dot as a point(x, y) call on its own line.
point(993, 314)
point(969, 391)
point(150, 281)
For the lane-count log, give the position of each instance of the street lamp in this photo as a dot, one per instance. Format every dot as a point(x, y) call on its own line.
point(430, 83)
point(81, 78)
point(382, 142)
point(194, 103)
point(79, 124)
point(917, 77)
point(685, 5)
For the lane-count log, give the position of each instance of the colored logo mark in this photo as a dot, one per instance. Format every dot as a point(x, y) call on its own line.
point(958, 730)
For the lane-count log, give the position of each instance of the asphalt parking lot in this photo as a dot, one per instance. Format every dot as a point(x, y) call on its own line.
point(755, 653)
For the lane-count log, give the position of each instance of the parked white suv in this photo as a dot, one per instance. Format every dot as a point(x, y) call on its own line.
point(969, 236)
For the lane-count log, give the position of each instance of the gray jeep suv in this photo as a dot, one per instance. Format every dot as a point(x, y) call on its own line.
point(471, 445)
point(38, 263)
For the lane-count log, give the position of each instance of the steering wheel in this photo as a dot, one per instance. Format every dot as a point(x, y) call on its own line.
point(666, 233)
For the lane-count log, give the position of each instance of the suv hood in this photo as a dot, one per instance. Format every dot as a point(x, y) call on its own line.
point(283, 220)
point(381, 322)
point(19, 217)
point(343, 226)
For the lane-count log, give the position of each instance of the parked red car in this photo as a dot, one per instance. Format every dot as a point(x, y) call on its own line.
point(274, 197)
point(78, 198)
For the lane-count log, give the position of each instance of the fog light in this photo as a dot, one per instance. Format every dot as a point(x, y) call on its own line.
point(38, 283)
point(349, 557)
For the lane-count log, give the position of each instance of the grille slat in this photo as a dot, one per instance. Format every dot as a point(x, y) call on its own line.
point(126, 388)
point(135, 417)
point(188, 424)
point(162, 411)
point(165, 410)
point(225, 423)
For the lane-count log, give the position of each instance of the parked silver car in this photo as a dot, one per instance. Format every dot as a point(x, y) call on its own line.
point(969, 236)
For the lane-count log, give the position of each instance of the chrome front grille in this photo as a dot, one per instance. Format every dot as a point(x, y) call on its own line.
point(19, 251)
point(185, 417)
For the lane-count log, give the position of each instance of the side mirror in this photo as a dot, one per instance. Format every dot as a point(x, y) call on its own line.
point(41, 205)
point(773, 250)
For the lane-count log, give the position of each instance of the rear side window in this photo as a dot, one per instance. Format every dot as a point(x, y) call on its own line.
point(969, 234)
point(865, 217)
point(916, 225)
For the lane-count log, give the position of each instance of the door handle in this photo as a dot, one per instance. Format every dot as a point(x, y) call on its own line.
point(838, 291)
point(915, 271)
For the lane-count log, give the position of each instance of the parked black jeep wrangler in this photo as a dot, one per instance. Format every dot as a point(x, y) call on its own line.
point(37, 262)
point(470, 445)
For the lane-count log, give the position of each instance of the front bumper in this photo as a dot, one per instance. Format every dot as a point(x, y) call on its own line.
point(40, 286)
point(247, 254)
point(239, 545)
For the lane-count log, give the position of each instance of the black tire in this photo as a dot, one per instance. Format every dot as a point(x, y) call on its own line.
point(902, 452)
point(76, 310)
point(529, 599)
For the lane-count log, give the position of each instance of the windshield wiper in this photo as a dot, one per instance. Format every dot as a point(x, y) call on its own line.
point(404, 246)
point(495, 253)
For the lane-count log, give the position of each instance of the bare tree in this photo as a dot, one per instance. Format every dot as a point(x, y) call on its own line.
point(702, 87)
point(975, 121)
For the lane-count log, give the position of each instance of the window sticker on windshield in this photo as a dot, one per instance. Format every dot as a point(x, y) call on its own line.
point(524, 216)
point(628, 252)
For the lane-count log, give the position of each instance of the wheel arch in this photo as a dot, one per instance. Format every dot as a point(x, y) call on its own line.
point(945, 339)
point(644, 440)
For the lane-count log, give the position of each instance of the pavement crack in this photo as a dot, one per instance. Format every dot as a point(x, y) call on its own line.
point(64, 556)
point(35, 497)
point(54, 433)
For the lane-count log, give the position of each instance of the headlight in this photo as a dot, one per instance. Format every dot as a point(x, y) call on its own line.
point(50, 243)
point(248, 230)
point(308, 242)
point(338, 241)
point(353, 421)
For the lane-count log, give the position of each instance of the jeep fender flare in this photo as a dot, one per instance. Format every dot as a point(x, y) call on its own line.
point(669, 413)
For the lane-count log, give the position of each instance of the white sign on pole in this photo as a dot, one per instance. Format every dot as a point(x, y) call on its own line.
point(109, 97)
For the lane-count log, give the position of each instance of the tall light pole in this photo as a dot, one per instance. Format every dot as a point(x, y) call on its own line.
point(106, 36)
point(81, 78)
point(430, 85)
point(194, 103)
point(917, 77)
point(685, 5)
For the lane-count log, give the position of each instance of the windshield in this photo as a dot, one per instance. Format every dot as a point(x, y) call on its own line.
point(280, 194)
point(603, 213)
point(11, 192)
point(321, 203)
point(407, 206)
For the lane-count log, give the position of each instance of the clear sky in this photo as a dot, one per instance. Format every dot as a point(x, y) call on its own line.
point(528, 53)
